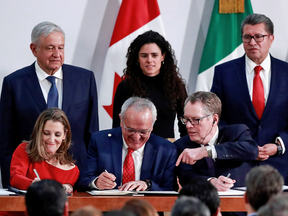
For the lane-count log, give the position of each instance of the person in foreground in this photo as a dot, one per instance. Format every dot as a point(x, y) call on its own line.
point(87, 211)
point(262, 183)
point(218, 151)
point(140, 207)
point(47, 153)
point(204, 191)
point(253, 90)
point(152, 72)
point(46, 198)
point(189, 206)
point(130, 157)
point(277, 206)
point(48, 82)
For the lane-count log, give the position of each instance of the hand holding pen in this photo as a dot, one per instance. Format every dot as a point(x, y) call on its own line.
point(223, 183)
point(105, 180)
point(37, 176)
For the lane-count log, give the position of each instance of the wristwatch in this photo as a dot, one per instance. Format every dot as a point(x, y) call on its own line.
point(279, 150)
point(209, 151)
point(149, 183)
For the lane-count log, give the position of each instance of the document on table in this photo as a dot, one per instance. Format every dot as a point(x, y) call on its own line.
point(113, 192)
point(231, 192)
point(158, 192)
point(5, 192)
point(285, 188)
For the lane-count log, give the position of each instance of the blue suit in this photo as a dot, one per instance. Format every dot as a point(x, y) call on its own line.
point(236, 152)
point(22, 101)
point(230, 85)
point(105, 152)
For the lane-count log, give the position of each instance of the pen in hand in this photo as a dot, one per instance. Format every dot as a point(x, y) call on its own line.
point(229, 174)
point(36, 173)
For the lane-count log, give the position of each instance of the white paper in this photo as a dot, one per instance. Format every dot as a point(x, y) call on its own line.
point(231, 192)
point(5, 192)
point(159, 192)
point(113, 192)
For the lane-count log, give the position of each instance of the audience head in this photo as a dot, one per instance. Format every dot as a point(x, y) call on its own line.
point(48, 42)
point(119, 213)
point(140, 207)
point(204, 191)
point(87, 211)
point(277, 206)
point(262, 183)
point(46, 198)
point(52, 124)
point(137, 118)
point(202, 112)
point(189, 206)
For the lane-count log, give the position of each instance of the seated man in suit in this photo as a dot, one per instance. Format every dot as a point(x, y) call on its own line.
point(262, 183)
point(217, 151)
point(46, 197)
point(130, 157)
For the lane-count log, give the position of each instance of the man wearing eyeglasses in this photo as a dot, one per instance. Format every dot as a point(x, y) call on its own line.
point(130, 157)
point(210, 152)
point(254, 91)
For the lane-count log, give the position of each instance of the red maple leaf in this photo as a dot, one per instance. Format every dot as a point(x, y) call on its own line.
point(109, 109)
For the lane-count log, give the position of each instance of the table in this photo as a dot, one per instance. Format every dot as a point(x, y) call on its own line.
point(106, 203)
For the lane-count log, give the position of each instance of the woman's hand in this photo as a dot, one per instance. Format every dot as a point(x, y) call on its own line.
point(68, 188)
point(36, 180)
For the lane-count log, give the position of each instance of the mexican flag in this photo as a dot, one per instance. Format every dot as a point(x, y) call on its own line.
point(223, 42)
point(134, 18)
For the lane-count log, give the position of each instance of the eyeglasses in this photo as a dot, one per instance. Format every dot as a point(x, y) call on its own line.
point(258, 38)
point(192, 121)
point(132, 131)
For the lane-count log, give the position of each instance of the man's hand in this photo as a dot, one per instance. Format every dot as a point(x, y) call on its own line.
point(105, 181)
point(266, 151)
point(134, 185)
point(222, 183)
point(190, 156)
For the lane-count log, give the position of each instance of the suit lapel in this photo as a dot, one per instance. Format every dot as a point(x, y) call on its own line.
point(34, 88)
point(68, 85)
point(116, 150)
point(242, 80)
point(148, 160)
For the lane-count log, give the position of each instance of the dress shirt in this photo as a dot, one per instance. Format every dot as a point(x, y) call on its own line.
point(212, 144)
point(45, 84)
point(265, 75)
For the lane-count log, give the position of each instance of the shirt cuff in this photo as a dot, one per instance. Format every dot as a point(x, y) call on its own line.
point(214, 153)
point(281, 143)
point(92, 184)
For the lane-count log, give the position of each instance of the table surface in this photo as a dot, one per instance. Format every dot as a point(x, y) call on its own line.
point(107, 203)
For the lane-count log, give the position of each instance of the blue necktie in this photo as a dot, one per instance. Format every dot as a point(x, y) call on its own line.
point(52, 100)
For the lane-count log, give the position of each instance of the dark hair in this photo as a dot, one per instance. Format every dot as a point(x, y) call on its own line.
point(45, 198)
point(189, 206)
point(204, 191)
point(35, 148)
point(173, 84)
point(262, 183)
point(254, 19)
point(140, 207)
point(211, 102)
point(277, 206)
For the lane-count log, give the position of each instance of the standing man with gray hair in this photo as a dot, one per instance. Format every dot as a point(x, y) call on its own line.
point(253, 90)
point(218, 151)
point(48, 82)
point(130, 157)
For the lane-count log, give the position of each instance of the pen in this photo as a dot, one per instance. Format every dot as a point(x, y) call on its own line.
point(229, 174)
point(108, 172)
point(36, 173)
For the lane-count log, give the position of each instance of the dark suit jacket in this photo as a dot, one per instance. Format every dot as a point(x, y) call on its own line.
point(236, 152)
point(230, 85)
point(105, 152)
point(22, 101)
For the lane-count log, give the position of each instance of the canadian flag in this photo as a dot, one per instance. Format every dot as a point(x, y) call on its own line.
point(134, 18)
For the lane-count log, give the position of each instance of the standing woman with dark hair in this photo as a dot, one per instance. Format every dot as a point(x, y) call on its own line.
point(152, 72)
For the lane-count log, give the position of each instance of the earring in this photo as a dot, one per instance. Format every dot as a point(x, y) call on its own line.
point(162, 62)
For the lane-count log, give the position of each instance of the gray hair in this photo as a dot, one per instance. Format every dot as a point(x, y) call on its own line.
point(262, 183)
point(277, 206)
point(139, 104)
point(254, 19)
point(211, 102)
point(189, 206)
point(44, 29)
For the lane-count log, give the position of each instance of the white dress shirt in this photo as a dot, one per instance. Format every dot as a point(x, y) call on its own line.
point(212, 144)
point(45, 84)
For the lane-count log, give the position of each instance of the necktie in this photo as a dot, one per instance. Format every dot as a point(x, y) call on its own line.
point(258, 98)
point(210, 165)
point(52, 100)
point(128, 168)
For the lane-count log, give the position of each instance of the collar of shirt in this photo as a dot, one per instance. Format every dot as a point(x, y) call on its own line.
point(139, 151)
point(265, 75)
point(42, 75)
point(214, 139)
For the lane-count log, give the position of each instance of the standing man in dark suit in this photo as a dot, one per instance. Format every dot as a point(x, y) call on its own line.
point(257, 96)
point(209, 152)
point(152, 158)
point(27, 92)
